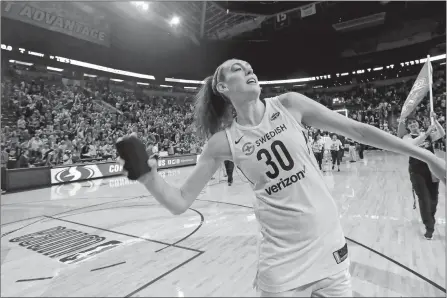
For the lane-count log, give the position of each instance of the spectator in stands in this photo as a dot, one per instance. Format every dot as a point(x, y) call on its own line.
point(4, 156)
point(21, 123)
point(23, 160)
point(85, 148)
point(12, 160)
point(67, 157)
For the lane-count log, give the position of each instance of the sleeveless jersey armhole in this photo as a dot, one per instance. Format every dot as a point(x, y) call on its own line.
point(230, 142)
point(277, 102)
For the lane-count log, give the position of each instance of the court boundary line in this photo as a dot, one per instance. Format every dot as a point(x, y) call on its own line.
point(34, 279)
point(18, 229)
point(64, 199)
point(16, 221)
point(109, 266)
point(33, 217)
point(434, 284)
point(202, 220)
point(164, 274)
point(199, 252)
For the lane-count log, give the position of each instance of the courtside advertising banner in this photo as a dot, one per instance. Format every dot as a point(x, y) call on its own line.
point(418, 91)
point(177, 161)
point(90, 187)
point(84, 172)
point(107, 169)
point(75, 19)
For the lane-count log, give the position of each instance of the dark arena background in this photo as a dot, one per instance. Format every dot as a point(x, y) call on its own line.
point(76, 76)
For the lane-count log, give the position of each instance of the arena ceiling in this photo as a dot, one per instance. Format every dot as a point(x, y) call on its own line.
point(241, 28)
point(255, 20)
point(143, 41)
point(204, 19)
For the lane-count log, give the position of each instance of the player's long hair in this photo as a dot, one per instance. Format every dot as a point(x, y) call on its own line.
point(213, 111)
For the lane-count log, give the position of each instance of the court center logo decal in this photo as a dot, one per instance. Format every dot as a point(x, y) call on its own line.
point(70, 245)
point(248, 148)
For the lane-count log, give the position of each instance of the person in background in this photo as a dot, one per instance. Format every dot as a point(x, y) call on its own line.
point(229, 168)
point(149, 147)
point(106, 150)
point(326, 147)
point(67, 158)
point(85, 151)
point(317, 148)
point(4, 156)
point(165, 144)
point(155, 148)
point(361, 149)
point(4, 162)
point(335, 149)
point(12, 160)
point(171, 148)
point(341, 151)
point(326, 141)
point(21, 123)
point(23, 160)
point(352, 151)
point(35, 143)
point(425, 185)
point(68, 143)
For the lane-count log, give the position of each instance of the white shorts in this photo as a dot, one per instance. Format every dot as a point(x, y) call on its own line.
point(337, 285)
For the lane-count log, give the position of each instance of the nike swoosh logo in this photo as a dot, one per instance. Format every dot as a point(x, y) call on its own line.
point(237, 142)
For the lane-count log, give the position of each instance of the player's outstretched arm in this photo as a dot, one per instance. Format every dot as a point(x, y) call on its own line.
point(309, 112)
point(178, 200)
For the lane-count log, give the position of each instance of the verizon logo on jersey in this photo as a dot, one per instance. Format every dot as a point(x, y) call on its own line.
point(286, 182)
point(271, 134)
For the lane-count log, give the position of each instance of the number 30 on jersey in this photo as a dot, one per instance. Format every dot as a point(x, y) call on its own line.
point(285, 163)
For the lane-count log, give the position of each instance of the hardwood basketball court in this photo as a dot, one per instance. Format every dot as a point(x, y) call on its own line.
point(109, 237)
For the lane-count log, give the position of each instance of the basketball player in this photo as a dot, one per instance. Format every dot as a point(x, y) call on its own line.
point(424, 185)
point(302, 249)
point(336, 146)
point(317, 148)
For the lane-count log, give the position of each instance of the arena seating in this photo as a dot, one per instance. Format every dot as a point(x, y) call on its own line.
point(49, 123)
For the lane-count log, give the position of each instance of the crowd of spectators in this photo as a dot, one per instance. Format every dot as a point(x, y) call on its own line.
point(58, 124)
point(380, 106)
point(55, 123)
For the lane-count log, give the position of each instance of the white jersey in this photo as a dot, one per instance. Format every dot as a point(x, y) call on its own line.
point(301, 236)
